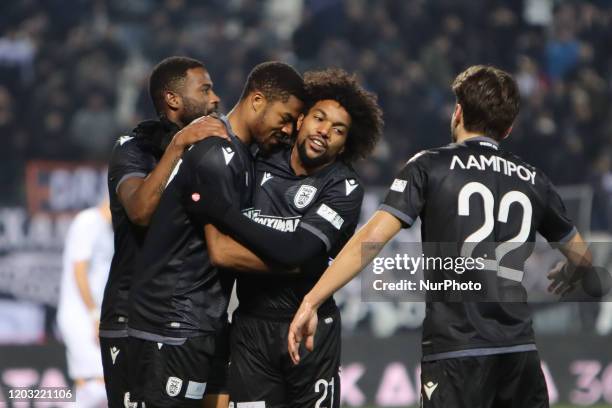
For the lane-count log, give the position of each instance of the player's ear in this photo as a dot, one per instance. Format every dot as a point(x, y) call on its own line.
point(173, 100)
point(507, 132)
point(299, 122)
point(457, 115)
point(257, 101)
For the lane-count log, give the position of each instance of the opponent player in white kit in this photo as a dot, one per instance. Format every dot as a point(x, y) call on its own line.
point(88, 251)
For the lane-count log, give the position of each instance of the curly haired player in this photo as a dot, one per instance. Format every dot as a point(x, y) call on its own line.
point(475, 195)
point(306, 205)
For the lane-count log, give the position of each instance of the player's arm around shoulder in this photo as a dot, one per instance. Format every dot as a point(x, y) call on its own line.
point(139, 195)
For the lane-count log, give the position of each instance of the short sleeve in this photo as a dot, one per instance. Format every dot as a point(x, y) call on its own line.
point(211, 177)
point(555, 225)
point(335, 214)
point(406, 196)
point(127, 160)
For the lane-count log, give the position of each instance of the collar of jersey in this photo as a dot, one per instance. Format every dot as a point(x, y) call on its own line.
point(277, 163)
point(481, 139)
point(235, 139)
point(225, 120)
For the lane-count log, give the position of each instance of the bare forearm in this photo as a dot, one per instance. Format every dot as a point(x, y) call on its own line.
point(344, 268)
point(228, 253)
point(351, 260)
point(577, 252)
point(147, 196)
point(82, 282)
point(242, 259)
point(140, 197)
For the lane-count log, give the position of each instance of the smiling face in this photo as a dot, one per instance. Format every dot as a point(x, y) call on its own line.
point(322, 133)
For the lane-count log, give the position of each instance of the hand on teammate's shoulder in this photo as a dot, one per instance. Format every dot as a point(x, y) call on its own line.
point(200, 129)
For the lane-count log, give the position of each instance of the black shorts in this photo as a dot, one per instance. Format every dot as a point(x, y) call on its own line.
point(115, 364)
point(498, 381)
point(219, 379)
point(164, 375)
point(261, 371)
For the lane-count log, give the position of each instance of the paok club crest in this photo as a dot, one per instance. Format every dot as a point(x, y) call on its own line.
point(304, 196)
point(173, 386)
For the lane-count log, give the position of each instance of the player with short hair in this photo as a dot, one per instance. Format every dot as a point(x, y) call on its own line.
point(308, 199)
point(181, 90)
point(468, 192)
point(178, 300)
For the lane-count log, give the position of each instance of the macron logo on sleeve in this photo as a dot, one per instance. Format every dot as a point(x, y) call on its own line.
point(124, 139)
point(266, 176)
point(350, 184)
point(430, 387)
point(228, 153)
point(114, 351)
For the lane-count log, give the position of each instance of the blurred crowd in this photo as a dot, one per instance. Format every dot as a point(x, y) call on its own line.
point(73, 77)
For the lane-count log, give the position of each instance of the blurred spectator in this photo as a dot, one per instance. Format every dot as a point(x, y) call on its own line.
point(16, 58)
point(14, 144)
point(562, 53)
point(93, 127)
point(68, 98)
